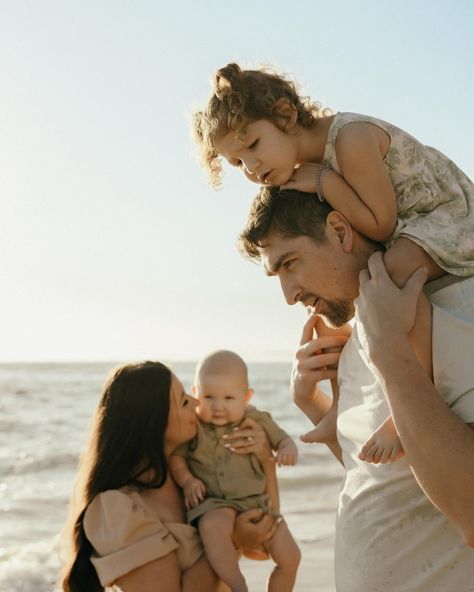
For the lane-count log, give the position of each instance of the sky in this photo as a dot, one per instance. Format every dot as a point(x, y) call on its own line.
point(112, 244)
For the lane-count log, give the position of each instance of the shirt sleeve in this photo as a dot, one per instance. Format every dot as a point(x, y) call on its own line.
point(274, 432)
point(124, 535)
point(453, 349)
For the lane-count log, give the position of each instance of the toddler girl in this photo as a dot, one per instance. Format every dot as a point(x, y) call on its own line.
point(218, 484)
point(390, 187)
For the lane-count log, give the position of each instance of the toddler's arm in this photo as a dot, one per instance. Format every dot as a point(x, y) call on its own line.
point(194, 489)
point(364, 193)
point(372, 215)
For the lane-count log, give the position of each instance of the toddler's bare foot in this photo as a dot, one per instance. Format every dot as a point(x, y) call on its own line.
point(383, 446)
point(325, 431)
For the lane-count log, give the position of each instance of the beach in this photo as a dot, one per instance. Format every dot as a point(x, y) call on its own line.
point(315, 574)
point(45, 412)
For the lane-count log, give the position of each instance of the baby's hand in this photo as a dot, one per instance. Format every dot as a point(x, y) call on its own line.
point(287, 453)
point(194, 491)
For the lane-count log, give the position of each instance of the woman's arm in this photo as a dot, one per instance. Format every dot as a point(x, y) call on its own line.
point(438, 444)
point(144, 578)
point(269, 468)
point(200, 577)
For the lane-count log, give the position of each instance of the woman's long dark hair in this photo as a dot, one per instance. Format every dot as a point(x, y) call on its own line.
point(127, 440)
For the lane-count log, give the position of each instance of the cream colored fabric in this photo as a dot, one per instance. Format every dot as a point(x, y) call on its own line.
point(126, 534)
point(389, 537)
point(435, 199)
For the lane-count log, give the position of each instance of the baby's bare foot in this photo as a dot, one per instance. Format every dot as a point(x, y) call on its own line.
point(383, 446)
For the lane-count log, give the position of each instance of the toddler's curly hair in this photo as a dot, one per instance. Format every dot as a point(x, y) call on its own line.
point(243, 96)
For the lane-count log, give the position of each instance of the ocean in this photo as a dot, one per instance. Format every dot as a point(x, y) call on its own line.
point(45, 413)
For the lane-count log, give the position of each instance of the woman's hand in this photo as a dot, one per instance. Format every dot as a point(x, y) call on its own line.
point(253, 528)
point(249, 437)
point(384, 310)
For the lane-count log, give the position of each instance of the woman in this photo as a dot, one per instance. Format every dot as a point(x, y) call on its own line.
point(127, 525)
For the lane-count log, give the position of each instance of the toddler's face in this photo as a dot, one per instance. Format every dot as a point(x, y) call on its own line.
point(222, 399)
point(266, 154)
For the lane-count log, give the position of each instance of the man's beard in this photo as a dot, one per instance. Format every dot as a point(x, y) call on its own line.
point(337, 312)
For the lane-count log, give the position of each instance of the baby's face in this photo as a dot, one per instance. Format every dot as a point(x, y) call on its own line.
point(222, 398)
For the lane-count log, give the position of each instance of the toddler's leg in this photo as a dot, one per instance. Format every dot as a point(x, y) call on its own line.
point(215, 528)
point(287, 556)
point(326, 430)
point(401, 261)
point(384, 445)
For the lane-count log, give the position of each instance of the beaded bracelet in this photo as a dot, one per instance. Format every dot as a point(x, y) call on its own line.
point(322, 170)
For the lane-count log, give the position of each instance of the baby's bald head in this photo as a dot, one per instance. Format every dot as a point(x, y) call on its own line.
point(222, 363)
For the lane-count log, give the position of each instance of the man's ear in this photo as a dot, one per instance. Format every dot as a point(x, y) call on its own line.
point(339, 230)
point(287, 111)
point(248, 395)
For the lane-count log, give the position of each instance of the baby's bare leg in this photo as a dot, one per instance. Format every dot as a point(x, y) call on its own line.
point(401, 261)
point(287, 556)
point(215, 528)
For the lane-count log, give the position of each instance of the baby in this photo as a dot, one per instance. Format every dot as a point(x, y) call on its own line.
point(218, 484)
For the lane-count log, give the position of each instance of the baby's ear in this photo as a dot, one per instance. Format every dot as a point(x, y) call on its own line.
point(248, 395)
point(194, 390)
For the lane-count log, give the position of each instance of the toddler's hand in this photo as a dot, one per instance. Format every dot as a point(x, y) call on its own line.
point(194, 491)
point(287, 453)
point(303, 178)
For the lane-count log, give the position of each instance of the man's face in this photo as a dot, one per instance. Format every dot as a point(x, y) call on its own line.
point(324, 277)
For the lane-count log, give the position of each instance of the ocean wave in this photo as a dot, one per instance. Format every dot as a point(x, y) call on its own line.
point(27, 464)
point(30, 567)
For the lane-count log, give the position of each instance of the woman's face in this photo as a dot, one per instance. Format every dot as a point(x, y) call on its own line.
point(182, 416)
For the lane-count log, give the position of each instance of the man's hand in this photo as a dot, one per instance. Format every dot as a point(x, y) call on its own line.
point(312, 364)
point(194, 492)
point(383, 309)
point(287, 453)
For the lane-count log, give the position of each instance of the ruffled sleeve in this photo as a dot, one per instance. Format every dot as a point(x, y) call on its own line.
point(124, 534)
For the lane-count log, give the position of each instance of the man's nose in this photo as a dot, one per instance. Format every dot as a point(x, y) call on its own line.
point(289, 289)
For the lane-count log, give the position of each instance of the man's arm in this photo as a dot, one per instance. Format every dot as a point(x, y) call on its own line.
point(310, 367)
point(439, 446)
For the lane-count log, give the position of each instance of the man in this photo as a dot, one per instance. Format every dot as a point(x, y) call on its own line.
point(408, 525)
